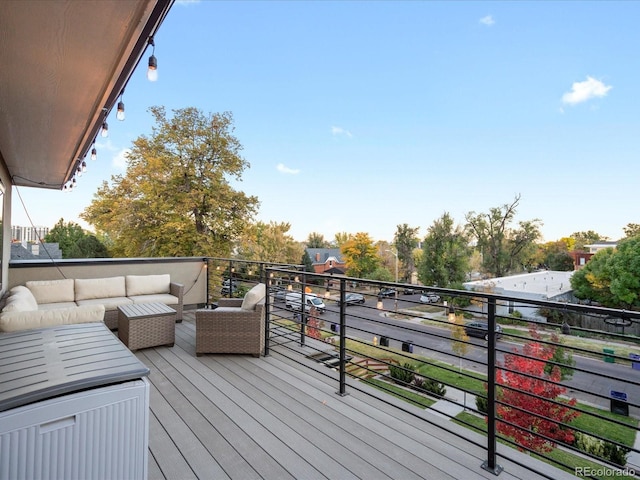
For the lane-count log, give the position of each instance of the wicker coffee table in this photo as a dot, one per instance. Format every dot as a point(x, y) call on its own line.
point(144, 325)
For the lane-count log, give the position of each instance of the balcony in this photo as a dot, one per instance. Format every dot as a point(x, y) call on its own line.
point(322, 403)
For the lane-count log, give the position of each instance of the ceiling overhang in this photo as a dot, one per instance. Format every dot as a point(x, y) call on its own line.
point(63, 64)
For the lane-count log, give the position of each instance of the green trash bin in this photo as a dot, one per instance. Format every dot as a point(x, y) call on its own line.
point(609, 355)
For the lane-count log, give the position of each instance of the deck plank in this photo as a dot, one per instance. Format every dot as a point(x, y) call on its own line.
point(240, 417)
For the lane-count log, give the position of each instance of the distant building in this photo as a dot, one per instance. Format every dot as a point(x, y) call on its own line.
point(327, 260)
point(544, 285)
point(28, 234)
point(580, 258)
point(35, 251)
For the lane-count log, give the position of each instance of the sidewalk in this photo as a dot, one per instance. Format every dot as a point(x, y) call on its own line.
point(452, 404)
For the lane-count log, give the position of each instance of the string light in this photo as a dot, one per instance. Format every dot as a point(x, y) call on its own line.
point(84, 166)
point(152, 71)
point(94, 153)
point(105, 129)
point(120, 114)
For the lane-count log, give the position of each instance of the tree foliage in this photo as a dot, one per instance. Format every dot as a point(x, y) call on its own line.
point(632, 230)
point(316, 240)
point(269, 242)
point(612, 276)
point(406, 240)
point(75, 242)
point(586, 238)
point(525, 385)
point(555, 256)
point(445, 254)
point(340, 239)
point(360, 255)
point(504, 249)
point(175, 198)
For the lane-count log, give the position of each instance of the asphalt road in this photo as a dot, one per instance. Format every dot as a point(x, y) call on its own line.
point(590, 375)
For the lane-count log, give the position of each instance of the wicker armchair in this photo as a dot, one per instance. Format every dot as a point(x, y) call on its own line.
point(230, 329)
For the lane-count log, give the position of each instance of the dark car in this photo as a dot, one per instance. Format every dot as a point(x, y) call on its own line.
point(481, 330)
point(228, 286)
point(353, 298)
point(387, 292)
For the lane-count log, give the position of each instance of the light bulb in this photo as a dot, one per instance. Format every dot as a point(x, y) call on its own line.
point(152, 71)
point(120, 114)
point(94, 154)
point(79, 171)
point(105, 129)
point(84, 166)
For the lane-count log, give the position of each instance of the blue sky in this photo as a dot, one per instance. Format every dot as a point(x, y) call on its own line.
point(360, 116)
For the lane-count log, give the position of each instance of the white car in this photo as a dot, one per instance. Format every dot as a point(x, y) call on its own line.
point(429, 297)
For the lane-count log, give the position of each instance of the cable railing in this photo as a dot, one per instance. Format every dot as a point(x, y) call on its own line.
point(523, 373)
point(510, 367)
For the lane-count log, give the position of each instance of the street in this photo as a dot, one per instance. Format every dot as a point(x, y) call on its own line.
point(594, 376)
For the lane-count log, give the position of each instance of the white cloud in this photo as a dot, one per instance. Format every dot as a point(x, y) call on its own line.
point(487, 20)
point(120, 159)
point(340, 131)
point(284, 169)
point(583, 91)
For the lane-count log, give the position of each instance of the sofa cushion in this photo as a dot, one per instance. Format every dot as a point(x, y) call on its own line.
point(165, 298)
point(89, 288)
point(111, 303)
point(53, 306)
point(20, 300)
point(16, 321)
point(147, 284)
point(52, 291)
point(253, 296)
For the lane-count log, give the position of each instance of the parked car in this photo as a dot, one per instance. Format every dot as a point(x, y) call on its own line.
point(481, 330)
point(410, 291)
point(387, 292)
point(228, 286)
point(429, 297)
point(353, 298)
point(278, 293)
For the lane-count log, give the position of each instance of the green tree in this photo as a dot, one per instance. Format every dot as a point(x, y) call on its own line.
point(504, 249)
point(360, 255)
point(593, 281)
point(445, 254)
point(307, 262)
point(340, 239)
point(269, 242)
point(316, 240)
point(632, 230)
point(75, 242)
point(556, 256)
point(405, 241)
point(176, 198)
point(586, 238)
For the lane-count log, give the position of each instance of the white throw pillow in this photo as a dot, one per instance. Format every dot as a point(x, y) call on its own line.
point(254, 296)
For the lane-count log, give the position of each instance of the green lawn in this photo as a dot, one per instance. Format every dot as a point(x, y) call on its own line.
point(563, 456)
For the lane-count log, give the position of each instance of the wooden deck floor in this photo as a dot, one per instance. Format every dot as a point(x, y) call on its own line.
point(239, 417)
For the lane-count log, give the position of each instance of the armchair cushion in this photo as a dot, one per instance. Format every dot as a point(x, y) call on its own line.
point(253, 296)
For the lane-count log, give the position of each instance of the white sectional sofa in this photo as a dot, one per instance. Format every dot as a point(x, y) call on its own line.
point(43, 303)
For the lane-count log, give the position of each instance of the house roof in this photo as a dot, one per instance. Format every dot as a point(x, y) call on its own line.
point(323, 255)
point(63, 65)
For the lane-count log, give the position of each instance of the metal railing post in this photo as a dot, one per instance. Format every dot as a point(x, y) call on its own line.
point(490, 464)
point(303, 311)
point(267, 310)
point(343, 337)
